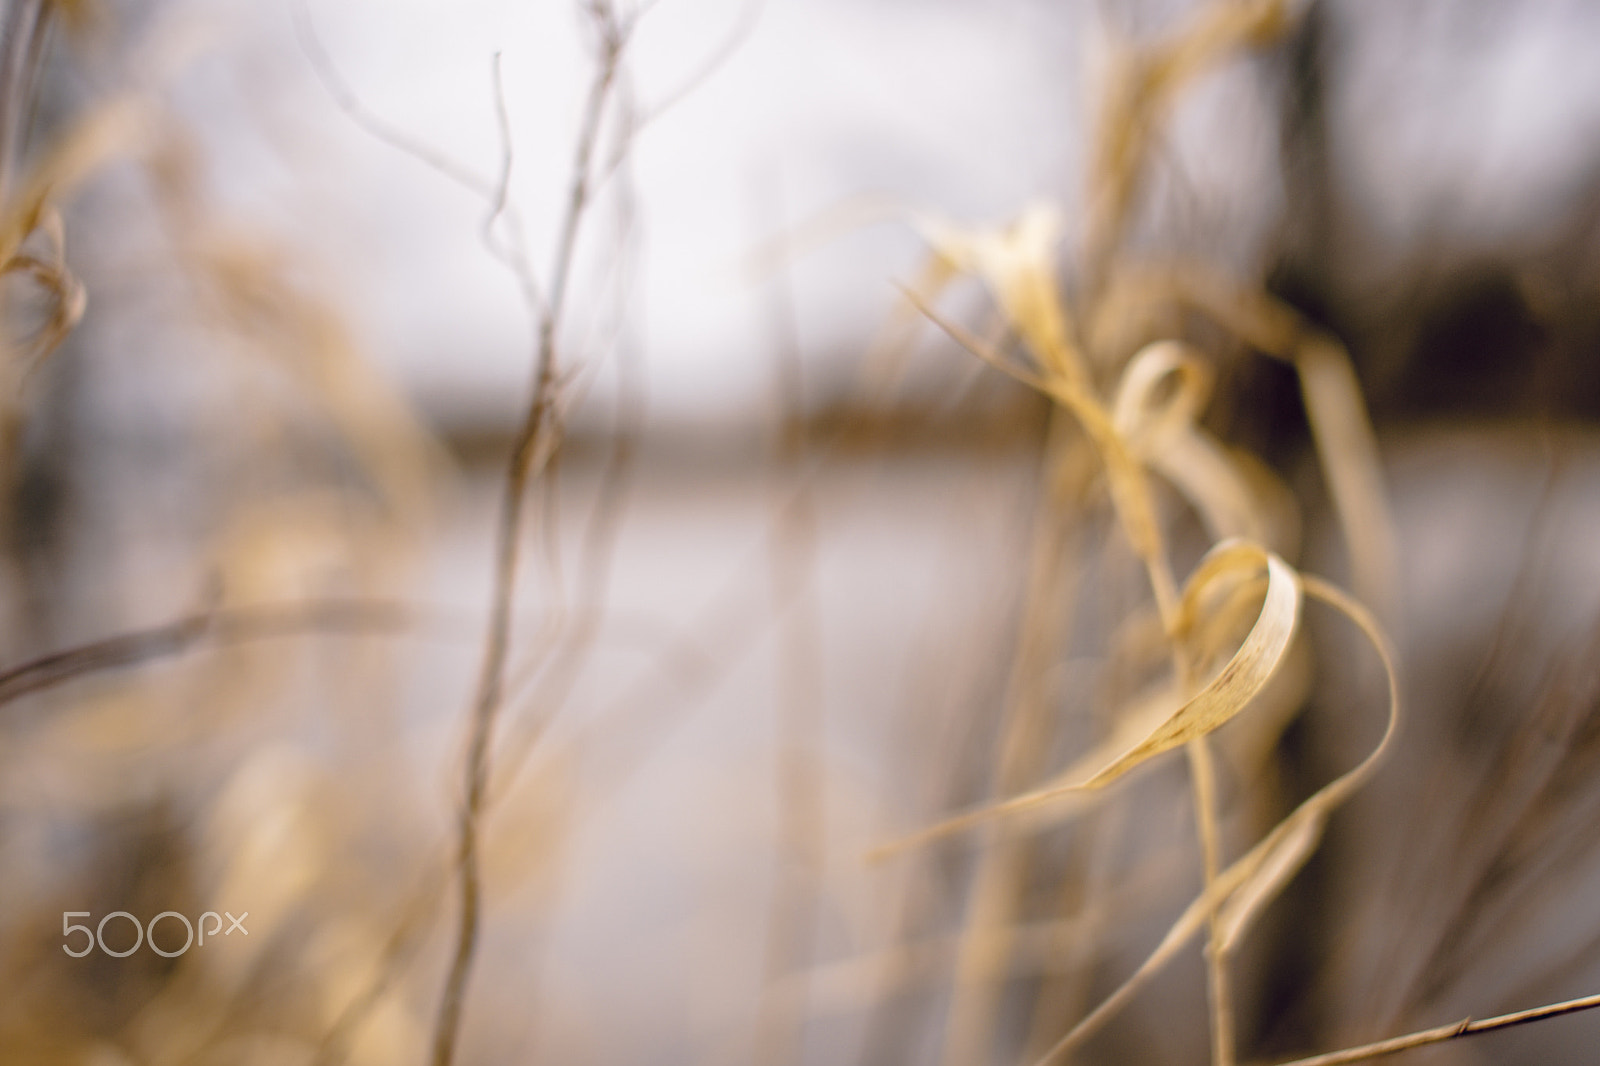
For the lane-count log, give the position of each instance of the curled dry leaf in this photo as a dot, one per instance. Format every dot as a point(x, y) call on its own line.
point(1347, 448)
point(1239, 893)
point(1157, 410)
point(1161, 722)
point(1244, 675)
point(1153, 425)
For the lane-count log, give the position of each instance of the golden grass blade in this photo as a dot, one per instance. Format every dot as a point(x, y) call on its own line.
point(1245, 675)
point(1018, 266)
point(1140, 410)
point(1240, 892)
point(1161, 722)
point(1130, 492)
point(1162, 429)
point(1277, 865)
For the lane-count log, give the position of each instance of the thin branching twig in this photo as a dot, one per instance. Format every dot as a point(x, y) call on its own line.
point(534, 444)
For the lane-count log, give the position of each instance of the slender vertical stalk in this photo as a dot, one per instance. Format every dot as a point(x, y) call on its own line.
point(1219, 987)
point(535, 442)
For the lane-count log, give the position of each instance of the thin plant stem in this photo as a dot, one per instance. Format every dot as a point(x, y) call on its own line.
point(346, 99)
point(534, 444)
point(545, 684)
point(1438, 1035)
point(1219, 989)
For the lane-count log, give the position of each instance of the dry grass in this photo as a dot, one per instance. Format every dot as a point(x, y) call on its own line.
point(253, 743)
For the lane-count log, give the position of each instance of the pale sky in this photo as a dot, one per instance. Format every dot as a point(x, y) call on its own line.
point(1444, 118)
point(966, 109)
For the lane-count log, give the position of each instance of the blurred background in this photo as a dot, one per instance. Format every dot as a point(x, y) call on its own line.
point(776, 582)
